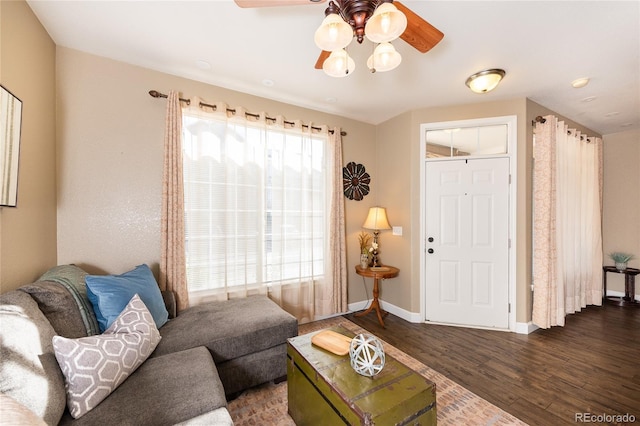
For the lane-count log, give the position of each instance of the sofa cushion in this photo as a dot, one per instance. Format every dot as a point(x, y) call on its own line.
point(164, 391)
point(72, 278)
point(109, 294)
point(29, 372)
point(230, 328)
point(95, 366)
point(59, 306)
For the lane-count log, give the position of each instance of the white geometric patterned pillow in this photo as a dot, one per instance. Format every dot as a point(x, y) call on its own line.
point(95, 366)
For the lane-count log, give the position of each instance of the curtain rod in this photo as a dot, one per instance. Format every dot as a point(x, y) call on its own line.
point(541, 119)
point(538, 119)
point(156, 94)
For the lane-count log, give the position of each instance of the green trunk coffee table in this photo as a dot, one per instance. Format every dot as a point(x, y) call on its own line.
point(323, 389)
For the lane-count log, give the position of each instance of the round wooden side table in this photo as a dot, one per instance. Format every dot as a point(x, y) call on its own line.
point(377, 273)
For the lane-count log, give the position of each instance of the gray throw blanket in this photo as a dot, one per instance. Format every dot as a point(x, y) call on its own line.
point(73, 279)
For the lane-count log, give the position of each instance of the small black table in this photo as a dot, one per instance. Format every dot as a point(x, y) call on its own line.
point(629, 298)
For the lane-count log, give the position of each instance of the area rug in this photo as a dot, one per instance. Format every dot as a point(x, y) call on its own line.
point(267, 405)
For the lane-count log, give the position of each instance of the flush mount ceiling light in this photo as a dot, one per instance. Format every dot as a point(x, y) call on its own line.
point(485, 81)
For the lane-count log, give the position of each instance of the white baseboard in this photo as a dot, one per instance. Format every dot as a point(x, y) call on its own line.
point(392, 309)
point(525, 327)
point(620, 294)
point(414, 317)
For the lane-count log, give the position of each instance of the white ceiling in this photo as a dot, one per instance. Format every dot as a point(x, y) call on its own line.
point(542, 45)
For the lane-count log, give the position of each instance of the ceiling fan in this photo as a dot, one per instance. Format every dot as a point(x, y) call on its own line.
point(356, 13)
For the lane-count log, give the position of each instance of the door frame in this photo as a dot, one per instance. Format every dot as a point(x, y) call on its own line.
point(511, 122)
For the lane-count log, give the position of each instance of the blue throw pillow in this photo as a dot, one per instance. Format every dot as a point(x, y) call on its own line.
point(109, 295)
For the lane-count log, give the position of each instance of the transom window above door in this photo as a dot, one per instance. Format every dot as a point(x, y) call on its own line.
point(467, 141)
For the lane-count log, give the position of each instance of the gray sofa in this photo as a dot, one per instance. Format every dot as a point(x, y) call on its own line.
point(206, 354)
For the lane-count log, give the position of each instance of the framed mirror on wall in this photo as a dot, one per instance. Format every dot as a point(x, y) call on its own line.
point(10, 124)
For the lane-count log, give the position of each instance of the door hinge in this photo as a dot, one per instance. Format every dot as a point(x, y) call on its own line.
point(509, 307)
point(509, 179)
point(509, 242)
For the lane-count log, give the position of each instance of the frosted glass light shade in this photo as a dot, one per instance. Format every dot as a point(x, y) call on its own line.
point(384, 58)
point(339, 64)
point(485, 81)
point(386, 24)
point(333, 34)
point(377, 219)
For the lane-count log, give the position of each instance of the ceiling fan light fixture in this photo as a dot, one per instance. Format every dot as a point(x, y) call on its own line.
point(384, 58)
point(333, 34)
point(485, 81)
point(339, 64)
point(386, 24)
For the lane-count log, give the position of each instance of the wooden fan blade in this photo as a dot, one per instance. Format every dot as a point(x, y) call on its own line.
point(323, 56)
point(270, 3)
point(419, 33)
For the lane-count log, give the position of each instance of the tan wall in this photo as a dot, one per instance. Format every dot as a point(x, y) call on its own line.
point(397, 171)
point(27, 69)
point(110, 134)
point(621, 215)
point(399, 158)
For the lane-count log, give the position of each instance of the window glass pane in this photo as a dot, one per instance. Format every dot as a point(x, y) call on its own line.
point(467, 141)
point(254, 204)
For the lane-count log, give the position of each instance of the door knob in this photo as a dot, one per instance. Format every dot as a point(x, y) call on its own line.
point(430, 251)
point(430, 239)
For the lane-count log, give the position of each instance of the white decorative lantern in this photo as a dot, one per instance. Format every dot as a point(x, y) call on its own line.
point(367, 355)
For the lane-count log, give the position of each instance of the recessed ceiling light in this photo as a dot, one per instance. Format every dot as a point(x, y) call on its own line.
point(588, 99)
point(580, 82)
point(203, 65)
point(611, 114)
point(268, 83)
point(331, 100)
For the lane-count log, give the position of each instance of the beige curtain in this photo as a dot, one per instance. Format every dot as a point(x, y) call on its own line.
point(326, 295)
point(172, 257)
point(567, 187)
point(337, 292)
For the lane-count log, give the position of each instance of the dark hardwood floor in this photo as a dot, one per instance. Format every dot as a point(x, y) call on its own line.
point(592, 365)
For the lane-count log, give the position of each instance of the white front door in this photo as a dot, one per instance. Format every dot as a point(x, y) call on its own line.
point(467, 248)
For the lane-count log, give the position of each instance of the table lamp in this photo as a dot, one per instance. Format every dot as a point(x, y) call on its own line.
point(376, 220)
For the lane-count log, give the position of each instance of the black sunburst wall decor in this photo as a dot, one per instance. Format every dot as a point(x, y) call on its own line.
point(355, 181)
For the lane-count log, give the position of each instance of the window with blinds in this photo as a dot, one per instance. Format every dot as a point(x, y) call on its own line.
point(255, 205)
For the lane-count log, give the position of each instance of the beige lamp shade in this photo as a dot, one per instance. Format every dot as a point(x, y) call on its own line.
point(333, 34)
point(386, 24)
point(338, 64)
point(384, 58)
point(377, 219)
